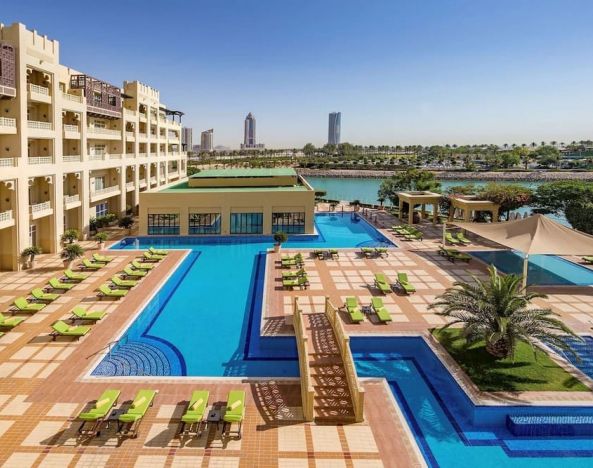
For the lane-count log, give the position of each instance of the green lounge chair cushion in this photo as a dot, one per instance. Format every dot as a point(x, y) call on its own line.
point(402, 278)
point(102, 406)
point(382, 283)
point(149, 256)
point(154, 251)
point(123, 283)
point(142, 266)
point(139, 406)
point(449, 238)
point(75, 276)
point(22, 304)
point(104, 288)
point(380, 310)
point(139, 273)
point(63, 329)
point(38, 293)
point(588, 258)
point(353, 309)
point(80, 313)
point(10, 322)
point(196, 407)
point(92, 265)
point(55, 283)
point(235, 408)
point(102, 258)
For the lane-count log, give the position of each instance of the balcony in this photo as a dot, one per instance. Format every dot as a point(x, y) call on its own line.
point(142, 183)
point(153, 181)
point(97, 157)
point(130, 136)
point(72, 98)
point(7, 126)
point(71, 201)
point(104, 133)
point(142, 117)
point(71, 158)
point(40, 210)
point(142, 155)
point(35, 160)
point(40, 128)
point(129, 114)
point(130, 186)
point(6, 219)
point(8, 162)
point(152, 155)
point(71, 132)
point(72, 102)
point(38, 93)
point(105, 193)
point(173, 174)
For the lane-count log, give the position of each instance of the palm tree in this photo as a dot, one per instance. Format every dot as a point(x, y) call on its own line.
point(500, 312)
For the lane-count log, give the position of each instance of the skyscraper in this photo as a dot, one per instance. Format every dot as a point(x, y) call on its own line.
point(249, 141)
point(187, 139)
point(207, 140)
point(333, 134)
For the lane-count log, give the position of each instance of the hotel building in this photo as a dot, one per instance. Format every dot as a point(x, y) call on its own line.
point(333, 132)
point(207, 140)
point(73, 147)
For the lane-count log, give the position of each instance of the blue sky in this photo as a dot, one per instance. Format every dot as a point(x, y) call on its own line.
point(401, 72)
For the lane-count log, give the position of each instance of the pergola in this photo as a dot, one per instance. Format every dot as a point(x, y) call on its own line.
point(469, 204)
point(422, 198)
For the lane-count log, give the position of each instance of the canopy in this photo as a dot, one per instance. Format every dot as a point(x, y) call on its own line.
point(536, 234)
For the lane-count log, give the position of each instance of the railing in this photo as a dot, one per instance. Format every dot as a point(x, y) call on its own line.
point(7, 122)
point(152, 180)
point(153, 155)
point(96, 157)
point(71, 199)
point(72, 97)
point(142, 183)
point(105, 191)
point(343, 341)
point(129, 113)
point(6, 215)
point(104, 131)
point(115, 156)
point(39, 207)
point(38, 89)
point(40, 125)
point(307, 391)
point(130, 134)
point(71, 128)
point(41, 159)
point(130, 186)
point(173, 174)
point(71, 158)
point(8, 162)
point(142, 155)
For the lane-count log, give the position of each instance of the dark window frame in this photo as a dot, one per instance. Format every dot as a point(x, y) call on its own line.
point(247, 223)
point(290, 222)
point(204, 223)
point(163, 224)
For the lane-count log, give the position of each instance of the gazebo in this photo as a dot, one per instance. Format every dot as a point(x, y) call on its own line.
point(534, 235)
point(422, 198)
point(469, 204)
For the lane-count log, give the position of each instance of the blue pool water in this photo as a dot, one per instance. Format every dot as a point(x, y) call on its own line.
point(584, 351)
point(542, 269)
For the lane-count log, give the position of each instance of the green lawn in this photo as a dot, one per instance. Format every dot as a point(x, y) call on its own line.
point(525, 373)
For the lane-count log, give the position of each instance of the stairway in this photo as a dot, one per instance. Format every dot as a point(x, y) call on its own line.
point(332, 402)
point(134, 358)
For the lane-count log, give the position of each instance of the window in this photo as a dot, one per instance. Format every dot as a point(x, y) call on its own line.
point(163, 224)
point(204, 223)
point(101, 209)
point(111, 100)
point(97, 101)
point(99, 183)
point(290, 223)
point(247, 223)
point(99, 124)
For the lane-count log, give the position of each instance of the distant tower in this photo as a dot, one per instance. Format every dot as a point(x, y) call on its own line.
point(249, 138)
point(186, 139)
point(207, 140)
point(333, 134)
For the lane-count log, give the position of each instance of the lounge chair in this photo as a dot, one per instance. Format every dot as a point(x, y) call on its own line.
point(368, 252)
point(300, 282)
point(9, 322)
point(154, 251)
point(453, 254)
point(72, 276)
point(194, 414)
point(2, 334)
point(296, 257)
point(293, 273)
point(23, 305)
point(461, 238)
point(334, 253)
point(134, 273)
point(152, 258)
point(382, 283)
point(451, 240)
point(41, 295)
point(106, 291)
point(413, 234)
point(235, 410)
point(320, 254)
point(129, 422)
point(97, 414)
point(78, 313)
point(407, 287)
point(142, 266)
point(296, 261)
point(88, 265)
point(102, 258)
point(55, 283)
point(380, 251)
point(123, 283)
point(588, 259)
point(400, 229)
point(382, 314)
point(353, 310)
point(61, 328)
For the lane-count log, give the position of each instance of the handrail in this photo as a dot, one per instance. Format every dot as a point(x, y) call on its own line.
point(356, 390)
point(307, 391)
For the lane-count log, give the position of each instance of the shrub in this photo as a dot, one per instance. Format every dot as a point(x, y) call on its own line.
point(280, 237)
point(126, 222)
point(70, 235)
point(101, 237)
point(71, 252)
point(30, 252)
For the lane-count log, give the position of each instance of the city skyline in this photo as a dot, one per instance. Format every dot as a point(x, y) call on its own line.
point(478, 73)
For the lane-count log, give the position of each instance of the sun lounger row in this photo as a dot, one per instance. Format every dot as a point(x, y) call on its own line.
point(322, 254)
point(121, 283)
point(588, 259)
point(370, 252)
point(355, 311)
point(131, 414)
point(459, 239)
point(61, 328)
point(295, 278)
point(407, 232)
point(453, 254)
point(382, 283)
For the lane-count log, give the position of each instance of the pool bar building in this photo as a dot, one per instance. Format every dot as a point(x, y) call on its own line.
point(231, 201)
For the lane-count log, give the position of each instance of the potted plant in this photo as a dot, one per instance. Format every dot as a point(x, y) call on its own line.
point(69, 236)
point(381, 200)
point(279, 237)
point(126, 223)
point(355, 204)
point(70, 253)
point(101, 237)
point(28, 256)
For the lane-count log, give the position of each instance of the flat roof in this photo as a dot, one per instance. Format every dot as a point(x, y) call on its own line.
point(245, 172)
point(184, 188)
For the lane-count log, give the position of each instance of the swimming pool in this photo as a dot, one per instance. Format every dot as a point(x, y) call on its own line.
point(542, 269)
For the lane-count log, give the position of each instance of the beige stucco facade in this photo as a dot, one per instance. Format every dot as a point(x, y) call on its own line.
point(63, 156)
point(469, 205)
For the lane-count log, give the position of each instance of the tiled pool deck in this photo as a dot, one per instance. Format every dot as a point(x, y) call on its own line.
point(43, 383)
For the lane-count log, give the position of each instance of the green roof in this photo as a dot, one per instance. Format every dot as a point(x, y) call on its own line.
point(184, 187)
point(247, 172)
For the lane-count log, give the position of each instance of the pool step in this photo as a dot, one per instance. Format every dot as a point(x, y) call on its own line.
point(134, 358)
point(328, 371)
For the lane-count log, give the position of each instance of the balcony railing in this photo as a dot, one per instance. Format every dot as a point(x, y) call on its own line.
point(173, 174)
point(130, 186)
point(72, 97)
point(142, 183)
point(105, 191)
point(71, 128)
point(96, 157)
point(8, 162)
point(129, 113)
point(39, 125)
point(104, 131)
point(5, 216)
point(33, 88)
point(40, 207)
point(115, 156)
point(130, 134)
point(71, 199)
point(142, 155)
point(7, 122)
point(152, 180)
point(71, 158)
point(153, 155)
point(41, 159)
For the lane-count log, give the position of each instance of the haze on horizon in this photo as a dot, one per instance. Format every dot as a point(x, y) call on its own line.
point(401, 72)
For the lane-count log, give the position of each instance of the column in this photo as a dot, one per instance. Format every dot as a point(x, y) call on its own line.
point(122, 189)
point(410, 213)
